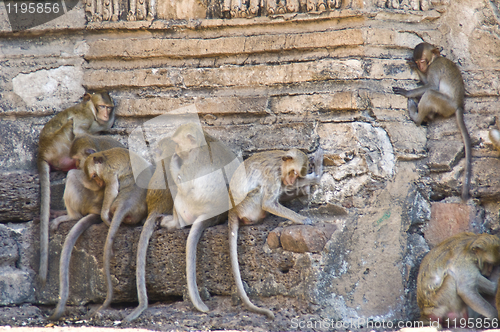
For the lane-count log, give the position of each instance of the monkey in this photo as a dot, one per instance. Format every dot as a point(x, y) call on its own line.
point(442, 93)
point(95, 113)
point(256, 188)
point(199, 170)
point(123, 200)
point(159, 202)
point(202, 198)
point(454, 273)
point(494, 135)
point(83, 200)
point(80, 195)
point(84, 145)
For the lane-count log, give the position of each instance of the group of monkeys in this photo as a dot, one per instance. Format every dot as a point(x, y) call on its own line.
point(101, 185)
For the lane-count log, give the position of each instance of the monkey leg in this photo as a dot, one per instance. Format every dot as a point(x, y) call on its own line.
point(233, 250)
point(54, 224)
point(279, 210)
point(147, 231)
point(110, 193)
point(77, 230)
point(44, 171)
point(433, 102)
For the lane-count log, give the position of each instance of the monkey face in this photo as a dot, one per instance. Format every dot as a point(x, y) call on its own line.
point(103, 112)
point(422, 65)
point(290, 177)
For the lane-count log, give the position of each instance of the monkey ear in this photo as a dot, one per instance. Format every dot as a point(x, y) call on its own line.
point(90, 151)
point(286, 158)
point(98, 160)
point(435, 51)
point(86, 97)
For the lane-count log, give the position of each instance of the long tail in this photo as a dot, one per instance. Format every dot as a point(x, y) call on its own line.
point(147, 231)
point(81, 226)
point(43, 173)
point(233, 250)
point(468, 154)
point(191, 245)
point(120, 214)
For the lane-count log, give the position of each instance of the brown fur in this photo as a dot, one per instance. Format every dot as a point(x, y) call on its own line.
point(442, 93)
point(256, 187)
point(91, 115)
point(454, 273)
point(124, 201)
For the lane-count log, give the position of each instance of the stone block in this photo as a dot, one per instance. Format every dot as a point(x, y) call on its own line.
point(16, 286)
point(131, 48)
point(447, 219)
point(444, 155)
point(306, 238)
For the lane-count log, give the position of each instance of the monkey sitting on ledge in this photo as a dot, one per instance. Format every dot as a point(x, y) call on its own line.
point(94, 114)
point(256, 187)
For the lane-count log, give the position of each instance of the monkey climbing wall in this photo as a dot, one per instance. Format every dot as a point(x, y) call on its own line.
point(303, 75)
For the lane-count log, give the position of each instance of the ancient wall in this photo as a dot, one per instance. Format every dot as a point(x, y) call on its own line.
point(263, 75)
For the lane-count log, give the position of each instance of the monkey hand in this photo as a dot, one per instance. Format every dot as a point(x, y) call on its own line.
point(411, 63)
point(399, 91)
point(307, 221)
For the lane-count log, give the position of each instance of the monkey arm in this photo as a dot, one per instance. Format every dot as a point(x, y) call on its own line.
point(469, 293)
point(415, 93)
point(272, 206)
point(110, 193)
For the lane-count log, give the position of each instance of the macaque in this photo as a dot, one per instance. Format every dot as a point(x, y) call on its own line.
point(256, 188)
point(84, 145)
point(124, 201)
point(201, 169)
point(494, 135)
point(442, 93)
point(83, 200)
point(159, 203)
point(95, 113)
point(80, 194)
point(453, 275)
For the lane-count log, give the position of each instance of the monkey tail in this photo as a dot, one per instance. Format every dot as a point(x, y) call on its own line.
point(44, 173)
point(81, 226)
point(233, 250)
point(192, 242)
point(147, 231)
point(120, 214)
point(468, 153)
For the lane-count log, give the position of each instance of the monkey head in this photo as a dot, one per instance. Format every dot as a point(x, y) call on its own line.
point(187, 137)
point(423, 55)
point(295, 164)
point(101, 105)
point(487, 251)
point(80, 150)
point(93, 168)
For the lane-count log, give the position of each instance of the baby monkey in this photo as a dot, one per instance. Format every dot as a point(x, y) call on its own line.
point(256, 188)
point(83, 200)
point(442, 93)
point(124, 201)
point(453, 275)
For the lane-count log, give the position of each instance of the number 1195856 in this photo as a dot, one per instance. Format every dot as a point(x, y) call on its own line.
point(32, 7)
